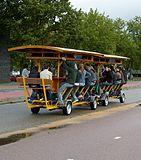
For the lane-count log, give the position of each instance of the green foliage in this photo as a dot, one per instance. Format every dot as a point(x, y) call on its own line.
point(134, 29)
point(97, 32)
point(57, 23)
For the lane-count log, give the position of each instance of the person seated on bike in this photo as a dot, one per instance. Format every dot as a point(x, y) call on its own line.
point(113, 74)
point(35, 91)
point(82, 74)
point(46, 74)
point(91, 77)
point(123, 75)
point(70, 67)
point(25, 71)
point(107, 77)
point(34, 74)
point(118, 76)
point(89, 80)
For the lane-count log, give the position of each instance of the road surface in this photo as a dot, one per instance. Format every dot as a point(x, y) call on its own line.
point(112, 137)
point(16, 116)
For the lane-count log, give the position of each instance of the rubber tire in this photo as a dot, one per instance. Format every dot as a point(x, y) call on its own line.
point(35, 110)
point(93, 105)
point(105, 102)
point(122, 98)
point(68, 109)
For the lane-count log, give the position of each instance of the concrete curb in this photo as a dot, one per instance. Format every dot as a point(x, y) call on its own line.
point(12, 100)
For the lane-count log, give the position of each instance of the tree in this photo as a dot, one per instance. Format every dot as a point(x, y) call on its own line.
point(134, 29)
point(97, 32)
point(44, 22)
point(8, 14)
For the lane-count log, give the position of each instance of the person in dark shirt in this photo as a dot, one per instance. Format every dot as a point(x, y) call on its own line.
point(107, 76)
point(70, 66)
point(34, 72)
point(113, 74)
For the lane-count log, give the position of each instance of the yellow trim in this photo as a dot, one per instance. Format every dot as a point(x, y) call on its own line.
point(114, 87)
point(86, 91)
point(44, 90)
point(104, 88)
point(107, 88)
point(79, 103)
point(92, 88)
point(118, 87)
point(76, 90)
point(81, 90)
point(64, 91)
point(25, 92)
point(110, 88)
point(68, 94)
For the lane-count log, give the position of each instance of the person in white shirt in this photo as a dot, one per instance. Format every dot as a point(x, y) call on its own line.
point(46, 74)
point(25, 71)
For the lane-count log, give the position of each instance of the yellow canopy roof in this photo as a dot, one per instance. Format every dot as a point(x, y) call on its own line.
point(46, 49)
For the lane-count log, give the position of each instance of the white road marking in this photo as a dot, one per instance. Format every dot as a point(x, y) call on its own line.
point(70, 159)
point(116, 138)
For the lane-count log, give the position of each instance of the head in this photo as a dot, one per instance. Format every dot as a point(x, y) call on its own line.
point(112, 68)
point(81, 66)
point(25, 65)
point(107, 68)
point(117, 69)
point(35, 68)
point(72, 64)
point(87, 67)
point(45, 66)
point(93, 68)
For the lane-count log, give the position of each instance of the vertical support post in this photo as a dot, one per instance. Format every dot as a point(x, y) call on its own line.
point(98, 72)
point(98, 77)
point(38, 64)
point(44, 90)
point(58, 71)
point(25, 91)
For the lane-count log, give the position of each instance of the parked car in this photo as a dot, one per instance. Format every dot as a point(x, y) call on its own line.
point(13, 78)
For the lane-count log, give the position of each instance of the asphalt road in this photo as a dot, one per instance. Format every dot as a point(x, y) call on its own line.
point(112, 137)
point(17, 116)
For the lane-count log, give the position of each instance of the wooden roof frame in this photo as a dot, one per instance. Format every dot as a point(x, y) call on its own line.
point(61, 51)
point(51, 48)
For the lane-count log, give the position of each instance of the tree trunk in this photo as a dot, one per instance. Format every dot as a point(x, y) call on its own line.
point(4, 59)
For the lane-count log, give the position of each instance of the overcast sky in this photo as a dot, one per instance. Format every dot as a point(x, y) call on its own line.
point(125, 9)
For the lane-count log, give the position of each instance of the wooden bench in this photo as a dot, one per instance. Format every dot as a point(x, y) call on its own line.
point(36, 83)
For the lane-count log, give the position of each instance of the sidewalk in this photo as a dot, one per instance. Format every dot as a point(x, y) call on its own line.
point(10, 93)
